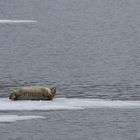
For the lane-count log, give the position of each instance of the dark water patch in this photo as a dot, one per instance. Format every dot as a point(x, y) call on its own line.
point(113, 92)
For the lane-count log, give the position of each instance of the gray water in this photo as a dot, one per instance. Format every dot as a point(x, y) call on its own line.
point(88, 49)
point(96, 124)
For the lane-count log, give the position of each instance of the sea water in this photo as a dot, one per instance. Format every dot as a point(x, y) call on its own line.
point(89, 50)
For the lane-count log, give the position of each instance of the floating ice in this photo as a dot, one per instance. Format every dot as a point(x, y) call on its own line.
point(13, 118)
point(65, 104)
point(17, 21)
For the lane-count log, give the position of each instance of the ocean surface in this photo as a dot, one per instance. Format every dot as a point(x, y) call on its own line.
point(89, 50)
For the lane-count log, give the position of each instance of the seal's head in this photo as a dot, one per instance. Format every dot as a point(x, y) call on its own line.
point(53, 91)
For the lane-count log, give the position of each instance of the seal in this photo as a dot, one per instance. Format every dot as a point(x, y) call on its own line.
point(33, 93)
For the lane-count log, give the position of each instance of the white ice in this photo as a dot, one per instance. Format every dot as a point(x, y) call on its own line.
point(65, 104)
point(13, 118)
point(17, 21)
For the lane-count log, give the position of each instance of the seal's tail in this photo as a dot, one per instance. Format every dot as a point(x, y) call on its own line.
point(12, 96)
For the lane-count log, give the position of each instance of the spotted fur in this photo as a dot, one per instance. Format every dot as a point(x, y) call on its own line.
point(33, 93)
